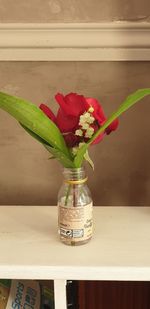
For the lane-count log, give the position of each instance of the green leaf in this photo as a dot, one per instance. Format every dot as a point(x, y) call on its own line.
point(34, 119)
point(129, 102)
point(60, 156)
point(38, 138)
point(80, 155)
point(88, 159)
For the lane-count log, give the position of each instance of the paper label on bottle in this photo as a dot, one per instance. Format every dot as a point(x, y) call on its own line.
point(76, 223)
point(24, 294)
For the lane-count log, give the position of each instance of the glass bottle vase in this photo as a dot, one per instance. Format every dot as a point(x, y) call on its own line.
point(75, 208)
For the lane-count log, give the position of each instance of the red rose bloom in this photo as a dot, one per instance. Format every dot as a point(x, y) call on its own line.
point(78, 118)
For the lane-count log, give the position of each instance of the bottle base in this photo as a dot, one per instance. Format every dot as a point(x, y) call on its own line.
point(71, 242)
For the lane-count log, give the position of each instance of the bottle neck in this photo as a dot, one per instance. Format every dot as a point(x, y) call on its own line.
point(74, 174)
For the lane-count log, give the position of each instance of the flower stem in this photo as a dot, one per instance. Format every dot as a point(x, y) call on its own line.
point(74, 195)
point(67, 194)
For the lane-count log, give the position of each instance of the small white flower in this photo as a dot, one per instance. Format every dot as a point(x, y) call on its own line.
point(79, 132)
point(85, 120)
point(82, 120)
point(87, 115)
point(91, 110)
point(90, 120)
point(89, 132)
point(85, 126)
point(88, 135)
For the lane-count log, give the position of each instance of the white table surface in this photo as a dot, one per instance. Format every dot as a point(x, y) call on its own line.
point(30, 247)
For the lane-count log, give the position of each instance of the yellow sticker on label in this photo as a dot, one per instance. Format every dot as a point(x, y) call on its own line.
point(76, 223)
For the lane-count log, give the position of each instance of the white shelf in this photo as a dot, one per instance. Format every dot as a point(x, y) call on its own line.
point(119, 250)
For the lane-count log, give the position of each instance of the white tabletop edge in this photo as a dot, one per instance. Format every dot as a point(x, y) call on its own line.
point(75, 273)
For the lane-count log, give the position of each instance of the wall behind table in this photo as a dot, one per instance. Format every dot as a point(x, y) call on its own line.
point(73, 11)
point(122, 165)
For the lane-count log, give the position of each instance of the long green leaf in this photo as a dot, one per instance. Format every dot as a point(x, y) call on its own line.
point(34, 119)
point(61, 157)
point(129, 101)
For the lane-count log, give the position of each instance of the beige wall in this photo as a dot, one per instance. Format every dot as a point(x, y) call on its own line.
point(122, 165)
point(73, 10)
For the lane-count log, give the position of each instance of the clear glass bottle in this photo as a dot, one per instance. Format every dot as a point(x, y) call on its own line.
point(75, 207)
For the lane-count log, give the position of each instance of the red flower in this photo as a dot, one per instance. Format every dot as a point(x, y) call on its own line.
point(71, 118)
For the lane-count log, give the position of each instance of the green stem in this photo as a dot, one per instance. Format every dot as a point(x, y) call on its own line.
point(74, 196)
point(67, 194)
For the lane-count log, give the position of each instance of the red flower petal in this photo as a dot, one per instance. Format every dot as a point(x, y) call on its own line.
point(71, 140)
point(66, 123)
point(112, 127)
point(72, 104)
point(98, 113)
point(61, 101)
point(46, 110)
point(100, 137)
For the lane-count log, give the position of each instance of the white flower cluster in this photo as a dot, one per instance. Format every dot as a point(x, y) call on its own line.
point(85, 121)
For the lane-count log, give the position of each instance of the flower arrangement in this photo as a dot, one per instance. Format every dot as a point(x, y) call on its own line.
point(79, 123)
point(78, 118)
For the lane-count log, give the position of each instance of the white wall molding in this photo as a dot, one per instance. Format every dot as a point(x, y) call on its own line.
point(116, 41)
